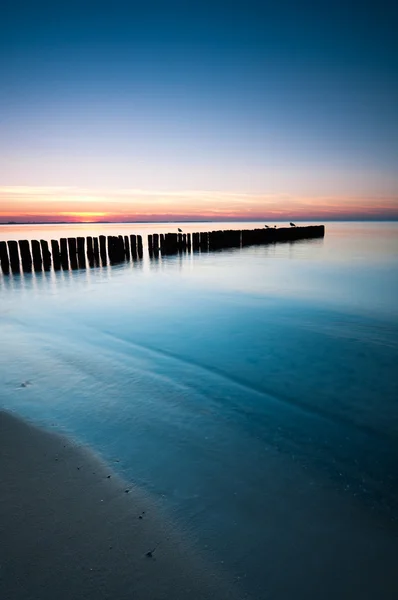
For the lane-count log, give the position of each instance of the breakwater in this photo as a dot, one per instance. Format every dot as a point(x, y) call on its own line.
point(80, 252)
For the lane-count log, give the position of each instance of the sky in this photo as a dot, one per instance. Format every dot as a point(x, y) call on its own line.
point(124, 111)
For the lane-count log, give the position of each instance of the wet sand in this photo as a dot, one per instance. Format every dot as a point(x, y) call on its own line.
point(71, 528)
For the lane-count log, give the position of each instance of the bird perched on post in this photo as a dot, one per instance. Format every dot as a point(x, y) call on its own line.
point(180, 230)
point(292, 225)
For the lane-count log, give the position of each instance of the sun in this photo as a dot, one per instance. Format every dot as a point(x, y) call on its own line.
point(84, 216)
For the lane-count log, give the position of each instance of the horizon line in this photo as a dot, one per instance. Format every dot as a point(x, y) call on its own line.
point(227, 220)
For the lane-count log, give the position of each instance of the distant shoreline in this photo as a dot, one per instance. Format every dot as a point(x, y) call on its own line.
point(353, 220)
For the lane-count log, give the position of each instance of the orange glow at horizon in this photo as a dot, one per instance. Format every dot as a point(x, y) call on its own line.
point(82, 216)
point(46, 204)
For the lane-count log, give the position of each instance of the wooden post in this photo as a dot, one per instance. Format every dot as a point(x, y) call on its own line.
point(4, 260)
point(102, 244)
point(36, 252)
point(64, 254)
point(56, 255)
point(14, 255)
point(156, 242)
point(26, 257)
point(204, 240)
point(46, 254)
point(195, 241)
point(139, 246)
point(133, 243)
point(111, 250)
point(81, 252)
point(150, 244)
point(96, 249)
point(121, 248)
point(72, 253)
point(127, 247)
point(90, 250)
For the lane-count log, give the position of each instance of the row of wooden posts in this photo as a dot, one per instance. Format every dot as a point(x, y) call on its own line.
point(68, 252)
point(75, 252)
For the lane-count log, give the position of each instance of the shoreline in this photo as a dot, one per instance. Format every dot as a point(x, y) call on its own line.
point(72, 528)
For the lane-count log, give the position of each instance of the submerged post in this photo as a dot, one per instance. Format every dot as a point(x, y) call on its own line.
point(81, 254)
point(127, 247)
point(14, 255)
point(195, 241)
point(64, 254)
point(139, 246)
point(102, 244)
point(26, 257)
point(4, 260)
point(72, 245)
point(56, 255)
point(90, 251)
point(133, 243)
point(46, 254)
point(36, 252)
point(96, 249)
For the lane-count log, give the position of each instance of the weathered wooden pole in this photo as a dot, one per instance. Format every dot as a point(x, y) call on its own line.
point(64, 253)
point(46, 254)
point(195, 241)
point(133, 245)
point(121, 248)
point(81, 252)
point(204, 240)
point(81, 243)
point(14, 255)
point(102, 244)
point(127, 247)
point(4, 260)
point(111, 248)
point(156, 242)
point(72, 246)
point(36, 252)
point(139, 246)
point(56, 255)
point(96, 249)
point(150, 244)
point(26, 257)
point(90, 250)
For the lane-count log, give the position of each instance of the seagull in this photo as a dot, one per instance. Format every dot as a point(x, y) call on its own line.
point(180, 230)
point(292, 225)
point(266, 226)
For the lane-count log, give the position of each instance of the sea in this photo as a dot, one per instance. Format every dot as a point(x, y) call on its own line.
point(253, 392)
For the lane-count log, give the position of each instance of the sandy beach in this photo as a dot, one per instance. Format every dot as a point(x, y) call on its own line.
point(71, 528)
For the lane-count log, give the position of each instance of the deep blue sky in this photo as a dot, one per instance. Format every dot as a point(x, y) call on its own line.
point(253, 98)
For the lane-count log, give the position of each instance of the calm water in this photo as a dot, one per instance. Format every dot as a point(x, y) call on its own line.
point(253, 391)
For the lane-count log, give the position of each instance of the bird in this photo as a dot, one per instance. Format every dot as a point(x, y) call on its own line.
point(266, 226)
point(180, 230)
point(292, 225)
